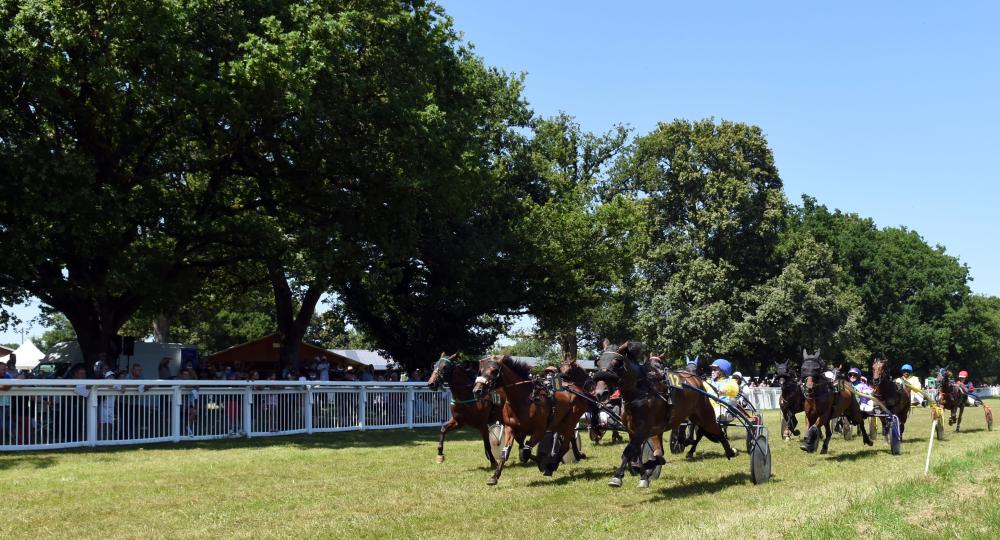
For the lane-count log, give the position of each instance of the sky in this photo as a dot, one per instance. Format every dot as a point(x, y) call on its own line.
point(886, 109)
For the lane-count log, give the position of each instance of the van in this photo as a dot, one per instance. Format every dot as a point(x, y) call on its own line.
point(62, 356)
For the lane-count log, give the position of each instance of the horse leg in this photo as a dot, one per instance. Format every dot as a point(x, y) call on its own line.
point(694, 445)
point(577, 453)
point(448, 426)
point(627, 456)
point(524, 449)
point(829, 433)
point(961, 412)
point(487, 446)
point(508, 441)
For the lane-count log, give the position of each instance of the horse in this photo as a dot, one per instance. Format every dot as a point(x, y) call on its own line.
point(792, 400)
point(653, 405)
point(894, 396)
point(466, 410)
point(951, 396)
point(825, 400)
point(529, 412)
point(576, 375)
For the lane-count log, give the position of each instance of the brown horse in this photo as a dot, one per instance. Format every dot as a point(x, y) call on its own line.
point(529, 412)
point(578, 377)
point(466, 410)
point(951, 396)
point(654, 404)
point(824, 400)
point(895, 397)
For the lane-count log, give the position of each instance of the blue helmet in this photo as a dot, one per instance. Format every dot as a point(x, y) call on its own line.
point(854, 371)
point(724, 366)
point(907, 368)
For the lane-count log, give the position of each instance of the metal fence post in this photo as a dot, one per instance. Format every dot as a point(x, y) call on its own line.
point(248, 410)
point(92, 417)
point(175, 414)
point(411, 394)
point(362, 406)
point(309, 409)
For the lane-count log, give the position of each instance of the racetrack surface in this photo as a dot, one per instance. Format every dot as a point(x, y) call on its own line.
point(381, 484)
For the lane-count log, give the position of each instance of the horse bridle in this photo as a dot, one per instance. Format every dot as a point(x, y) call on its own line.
point(439, 370)
point(608, 375)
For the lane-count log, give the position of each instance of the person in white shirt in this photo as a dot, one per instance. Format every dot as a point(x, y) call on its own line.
point(323, 366)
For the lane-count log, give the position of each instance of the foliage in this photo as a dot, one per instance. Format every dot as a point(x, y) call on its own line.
point(58, 329)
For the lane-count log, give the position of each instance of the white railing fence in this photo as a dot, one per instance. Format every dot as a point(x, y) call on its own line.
point(48, 414)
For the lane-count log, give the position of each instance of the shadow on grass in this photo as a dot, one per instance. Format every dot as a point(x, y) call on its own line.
point(11, 461)
point(699, 488)
point(854, 456)
point(317, 441)
point(573, 475)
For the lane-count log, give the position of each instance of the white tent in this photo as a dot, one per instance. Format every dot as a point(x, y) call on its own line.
point(27, 356)
point(370, 358)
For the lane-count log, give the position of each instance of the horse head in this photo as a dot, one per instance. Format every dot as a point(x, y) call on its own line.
point(442, 371)
point(880, 369)
point(572, 372)
point(608, 375)
point(489, 376)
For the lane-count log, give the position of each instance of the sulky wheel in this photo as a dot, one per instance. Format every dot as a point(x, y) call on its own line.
point(677, 439)
point(760, 460)
point(496, 438)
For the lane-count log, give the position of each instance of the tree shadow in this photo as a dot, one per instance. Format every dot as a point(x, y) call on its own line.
point(854, 456)
point(20, 460)
point(701, 488)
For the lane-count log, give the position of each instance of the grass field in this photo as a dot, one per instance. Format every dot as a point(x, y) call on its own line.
point(386, 484)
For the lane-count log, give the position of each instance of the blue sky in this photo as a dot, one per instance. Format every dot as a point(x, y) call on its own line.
point(887, 109)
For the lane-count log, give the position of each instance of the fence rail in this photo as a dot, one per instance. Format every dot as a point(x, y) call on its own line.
point(49, 414)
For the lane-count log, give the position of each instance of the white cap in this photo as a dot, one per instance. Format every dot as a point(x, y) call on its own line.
point(738, 375)
point(109, 374)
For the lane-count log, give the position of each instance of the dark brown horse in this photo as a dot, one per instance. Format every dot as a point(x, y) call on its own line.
point(824, 400)
point(951, 397)
point(894, 396)
point(792, 399)
point(529, 412)
point(654, 402)
point(466, 410)
point(577, 376)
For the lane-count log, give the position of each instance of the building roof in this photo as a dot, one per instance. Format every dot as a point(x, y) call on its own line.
point(262, 353)
point(370, 358)
point(534, 361)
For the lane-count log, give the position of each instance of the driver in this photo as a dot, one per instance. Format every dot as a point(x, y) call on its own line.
point(916, 395)
point(859, 383)
point(724, 385)
point(966, 387)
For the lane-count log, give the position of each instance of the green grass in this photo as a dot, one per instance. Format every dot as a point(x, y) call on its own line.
point(386, 484)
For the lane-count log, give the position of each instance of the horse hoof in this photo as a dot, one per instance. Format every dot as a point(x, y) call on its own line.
point(643, 484)
point(796, 432)
point(581, 456)
point(805, 447)
point(615, 482)
point(440, 459)
point(823, 451)
point(491, 482)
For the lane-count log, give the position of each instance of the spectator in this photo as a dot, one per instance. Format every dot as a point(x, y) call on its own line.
point(350, 375)
point(165, 368)
point(12, 365)
point(417, 376)
point(107, 409)
point(5, 402)
point(323, 366)
point(80, 405)
point(189, 404)
point(134, 417)
point(367, 374)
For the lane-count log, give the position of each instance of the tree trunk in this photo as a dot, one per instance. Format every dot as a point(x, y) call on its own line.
point(96, 324)
point(292, 323)
point(161, 329)
point(568, 345)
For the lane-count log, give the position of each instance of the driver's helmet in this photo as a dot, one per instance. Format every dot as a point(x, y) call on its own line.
point(963, 374)
point(738, 376)
point(854, 371)
point(907, 368)
point(724, 366)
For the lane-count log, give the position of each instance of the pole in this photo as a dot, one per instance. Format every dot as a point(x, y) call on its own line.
point(930, 445)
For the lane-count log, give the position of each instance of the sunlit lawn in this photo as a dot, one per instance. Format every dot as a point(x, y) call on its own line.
point(387, 484)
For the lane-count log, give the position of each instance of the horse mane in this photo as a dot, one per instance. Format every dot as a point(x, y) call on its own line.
point(517, 366)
